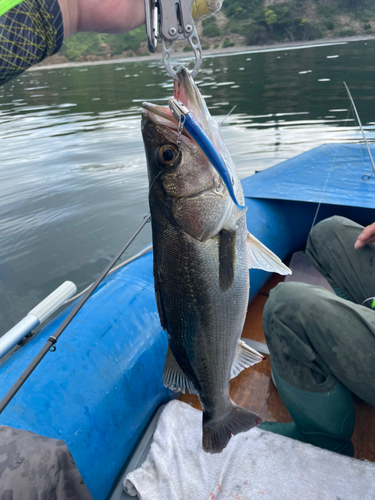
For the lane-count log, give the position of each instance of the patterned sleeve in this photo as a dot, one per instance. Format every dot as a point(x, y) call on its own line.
point(30, 30)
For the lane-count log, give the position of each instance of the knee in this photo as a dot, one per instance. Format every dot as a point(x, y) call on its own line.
point(280, 297)
point(283, 304)
point(332, 231)
point(323, 231)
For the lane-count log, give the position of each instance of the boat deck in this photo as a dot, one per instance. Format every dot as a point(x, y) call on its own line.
point(254, 389)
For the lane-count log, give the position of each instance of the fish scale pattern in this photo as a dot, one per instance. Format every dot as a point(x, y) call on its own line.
point(29, 32)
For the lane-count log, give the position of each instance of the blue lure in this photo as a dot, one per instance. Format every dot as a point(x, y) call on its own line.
point(196, 132)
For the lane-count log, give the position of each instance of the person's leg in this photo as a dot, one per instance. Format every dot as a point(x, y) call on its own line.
point(330, 247)
point(320, 347)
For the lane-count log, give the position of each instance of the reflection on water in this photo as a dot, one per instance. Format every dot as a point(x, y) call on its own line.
point(73, 182)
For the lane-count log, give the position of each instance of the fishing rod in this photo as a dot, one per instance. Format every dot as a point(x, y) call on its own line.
point(363, 133)
point(365, 177)
point(50, 344)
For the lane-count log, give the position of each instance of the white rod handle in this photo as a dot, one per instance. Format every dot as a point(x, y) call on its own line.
point(54, 301)
point(36, 316)
point(17, 333)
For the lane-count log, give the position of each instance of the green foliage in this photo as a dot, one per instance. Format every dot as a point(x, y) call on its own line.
point(327, 9)
point(355, 4)
point(210, 28)
point(256, 34)
point(284, 11)
point(289, 20)
point(346, 32)
point(209, 20)
point(228, 43)
point(312, 31)
point(365, 15)
point(84, 44)
point(240, 28)
point(127, 41)
point(270, 17)
point(187, 49)
point(242, 9)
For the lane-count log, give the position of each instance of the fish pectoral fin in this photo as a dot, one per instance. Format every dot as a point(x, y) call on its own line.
point(261, 257)
point(245, 357)
point(159, 300)
point(227, 258)
point(173, 377)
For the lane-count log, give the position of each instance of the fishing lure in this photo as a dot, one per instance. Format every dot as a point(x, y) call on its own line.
point(196, 132)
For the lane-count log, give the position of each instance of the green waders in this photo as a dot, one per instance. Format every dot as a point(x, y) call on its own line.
point(322, 346)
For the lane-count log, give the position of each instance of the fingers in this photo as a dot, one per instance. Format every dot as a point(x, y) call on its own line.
point(366, 237)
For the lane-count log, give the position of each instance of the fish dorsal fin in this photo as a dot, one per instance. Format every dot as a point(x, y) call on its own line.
point(173, 377)
point(261, 257)
point(245, 357)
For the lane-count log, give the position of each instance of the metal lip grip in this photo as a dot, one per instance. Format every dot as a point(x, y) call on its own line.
point(176, 23)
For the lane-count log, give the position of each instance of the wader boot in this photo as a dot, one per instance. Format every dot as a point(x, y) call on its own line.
point(323, 419)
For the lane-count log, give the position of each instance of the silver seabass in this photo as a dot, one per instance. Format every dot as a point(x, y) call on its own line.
point(201, 266)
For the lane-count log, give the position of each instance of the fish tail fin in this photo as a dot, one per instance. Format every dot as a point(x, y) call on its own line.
point(217, 433)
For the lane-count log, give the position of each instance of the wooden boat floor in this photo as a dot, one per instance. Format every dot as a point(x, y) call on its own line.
point(254, 389)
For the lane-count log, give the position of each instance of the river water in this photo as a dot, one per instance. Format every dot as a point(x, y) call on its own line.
point(73, 181)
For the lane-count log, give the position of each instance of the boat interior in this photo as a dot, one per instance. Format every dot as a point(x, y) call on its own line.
point(253, 387)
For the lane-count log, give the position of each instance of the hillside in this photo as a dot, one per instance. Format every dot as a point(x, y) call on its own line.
point(240, 23)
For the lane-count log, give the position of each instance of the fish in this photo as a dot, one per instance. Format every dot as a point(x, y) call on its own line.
point(201, 264)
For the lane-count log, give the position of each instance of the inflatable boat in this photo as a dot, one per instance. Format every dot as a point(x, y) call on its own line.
point(102, 386)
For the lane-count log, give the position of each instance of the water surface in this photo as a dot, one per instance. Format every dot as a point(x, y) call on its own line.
point(73, 181)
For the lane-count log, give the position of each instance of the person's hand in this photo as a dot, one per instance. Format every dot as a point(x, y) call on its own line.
point(366, 237)
point(101, 16)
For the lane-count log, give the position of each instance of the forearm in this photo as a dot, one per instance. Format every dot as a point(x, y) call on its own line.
point(69, 11)
point(103, 16)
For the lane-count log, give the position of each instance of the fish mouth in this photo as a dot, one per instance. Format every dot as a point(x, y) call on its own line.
point(162, 117)
point(159, 112)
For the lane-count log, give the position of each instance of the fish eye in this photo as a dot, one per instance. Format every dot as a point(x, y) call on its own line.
point(167, 155)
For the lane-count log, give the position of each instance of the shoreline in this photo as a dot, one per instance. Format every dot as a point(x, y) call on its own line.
point(213, 52)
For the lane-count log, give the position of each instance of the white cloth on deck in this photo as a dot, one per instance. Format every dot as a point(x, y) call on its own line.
point(255, 465)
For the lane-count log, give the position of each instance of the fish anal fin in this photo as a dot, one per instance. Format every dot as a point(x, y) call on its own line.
point(227, 258)
point(245, 357)
point(261, 257)
point(173, 377)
